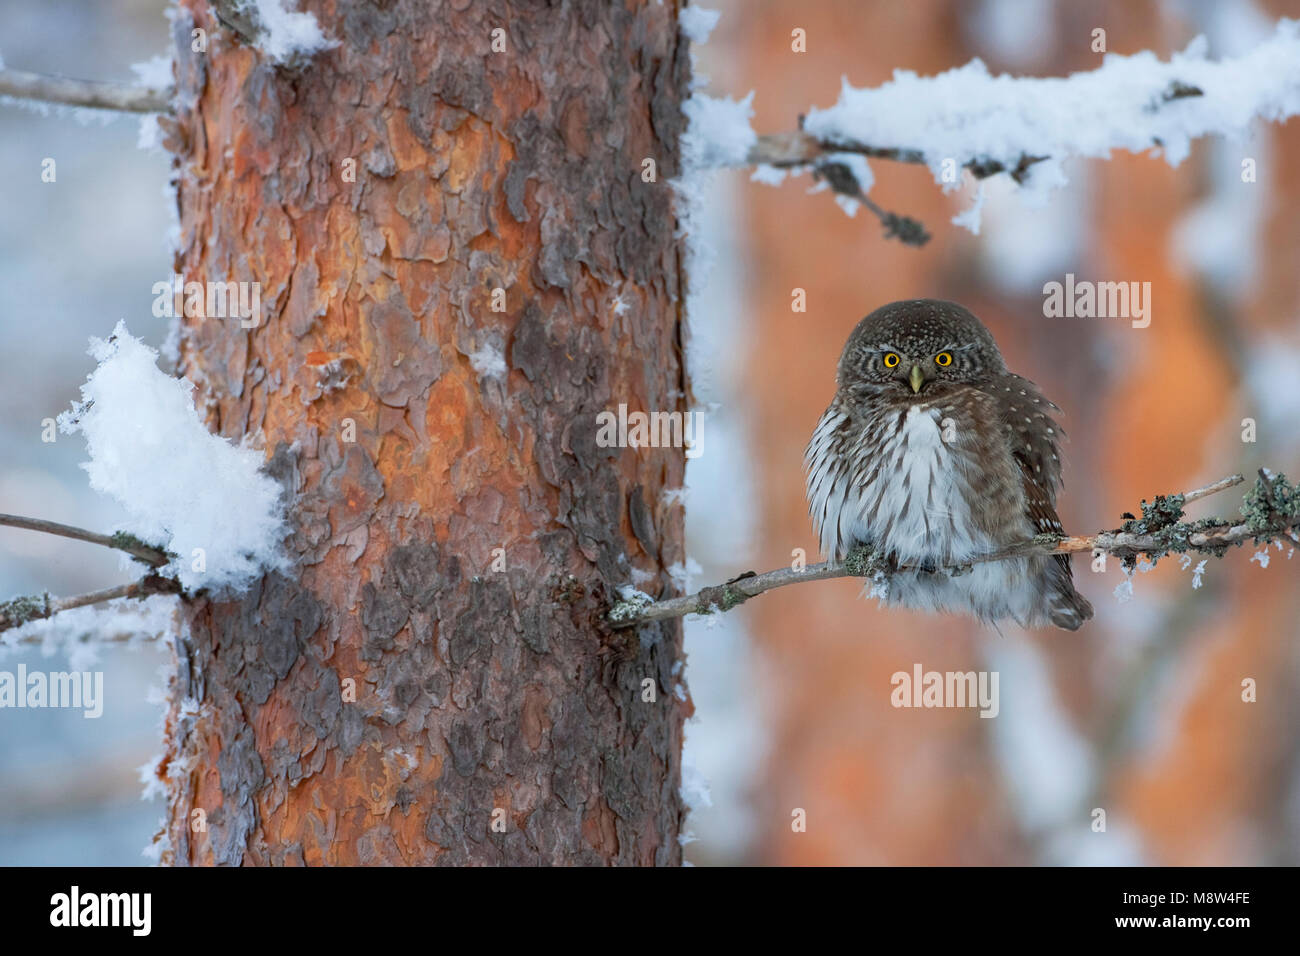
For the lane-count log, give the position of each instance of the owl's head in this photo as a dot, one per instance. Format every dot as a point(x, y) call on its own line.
point(916, 347)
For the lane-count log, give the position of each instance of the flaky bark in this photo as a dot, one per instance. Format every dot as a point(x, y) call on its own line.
point(476, 689)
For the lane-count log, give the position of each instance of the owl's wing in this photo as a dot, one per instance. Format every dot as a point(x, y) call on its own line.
point(827, 480)
point(1035, 438)
point(1034, 434)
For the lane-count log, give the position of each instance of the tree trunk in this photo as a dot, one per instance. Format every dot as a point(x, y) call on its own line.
point(456, 530)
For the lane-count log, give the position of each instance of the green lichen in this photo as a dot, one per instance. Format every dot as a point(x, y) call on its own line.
point(125, 541)
point(863, 562)
point(1269, 503)
point(24, 608)
point(1268, 508)
point(730, 598)
point(629, 609)
point(1164, 512)
point(719, 599)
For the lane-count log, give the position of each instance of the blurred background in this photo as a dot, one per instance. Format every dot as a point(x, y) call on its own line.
point(1139, 714)
point(76, 255)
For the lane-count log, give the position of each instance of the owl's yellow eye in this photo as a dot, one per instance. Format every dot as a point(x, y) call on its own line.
point(891, 360)
point(943, 359)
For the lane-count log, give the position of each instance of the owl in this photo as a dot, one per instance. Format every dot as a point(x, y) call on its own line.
point(932, 453)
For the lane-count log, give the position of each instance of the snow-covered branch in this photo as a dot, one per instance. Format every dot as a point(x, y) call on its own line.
point(1271, 509)
point(1025, 127)
point(125, 97)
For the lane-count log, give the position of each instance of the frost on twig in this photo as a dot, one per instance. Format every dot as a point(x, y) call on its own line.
point(1270, 510)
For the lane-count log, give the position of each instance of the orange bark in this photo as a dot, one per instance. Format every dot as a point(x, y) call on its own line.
point(454, 558)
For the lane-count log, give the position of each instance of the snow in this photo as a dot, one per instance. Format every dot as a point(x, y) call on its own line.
point(718, 131)
point(683, 572)
point(696, 23)
point(768, 175)
point(286, 34)
point(152, 785)
point(674, 496)
point(628, 593)
point(970, 219)
point(150, 136)
point(184, 488)
point(155, 72)
point(695, 789)
point(488, 361)
point(968, 114)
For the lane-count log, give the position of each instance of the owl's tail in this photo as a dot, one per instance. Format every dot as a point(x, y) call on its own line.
point(1066, 607)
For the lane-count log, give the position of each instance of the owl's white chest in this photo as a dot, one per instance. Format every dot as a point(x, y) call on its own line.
point(916, 504)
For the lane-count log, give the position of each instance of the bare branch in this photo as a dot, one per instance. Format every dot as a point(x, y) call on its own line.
point(1210, 536)
point(21, 610)
point(119, 541)
point(129, 98)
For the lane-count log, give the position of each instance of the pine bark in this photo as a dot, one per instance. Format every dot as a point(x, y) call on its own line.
point(486, 699)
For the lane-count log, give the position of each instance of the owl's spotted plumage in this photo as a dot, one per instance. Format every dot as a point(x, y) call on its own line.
point(932, 453)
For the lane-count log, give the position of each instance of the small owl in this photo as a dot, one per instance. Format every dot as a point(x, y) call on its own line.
point(931, 453)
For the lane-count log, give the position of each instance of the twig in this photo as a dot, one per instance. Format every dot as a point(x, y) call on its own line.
point(22, 610)
point(787, 150)
point(126, 97)
point(842, 180)
point(119, 542)
point(1211, 537)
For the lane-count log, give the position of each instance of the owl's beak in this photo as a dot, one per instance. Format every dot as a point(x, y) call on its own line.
point(917, 378)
